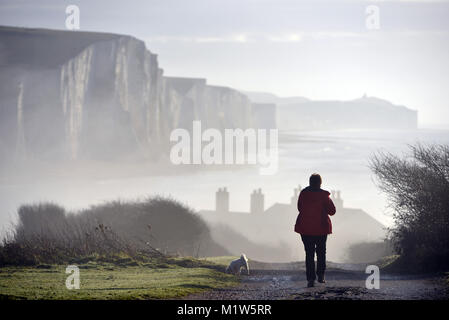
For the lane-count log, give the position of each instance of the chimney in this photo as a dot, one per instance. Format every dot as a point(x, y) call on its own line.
point(222, 200)
point(336, 198)
point(294, 198)
point(257, 204)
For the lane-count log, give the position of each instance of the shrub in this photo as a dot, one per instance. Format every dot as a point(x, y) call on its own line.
point(46, 233)
point(365, 252)
point(417, 189)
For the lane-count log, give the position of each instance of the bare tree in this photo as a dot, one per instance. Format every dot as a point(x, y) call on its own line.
point(417, 189)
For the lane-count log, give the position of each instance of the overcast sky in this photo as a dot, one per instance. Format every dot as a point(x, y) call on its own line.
point(317, 49)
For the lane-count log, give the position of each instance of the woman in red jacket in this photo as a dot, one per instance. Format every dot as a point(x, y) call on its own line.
point(314, 224)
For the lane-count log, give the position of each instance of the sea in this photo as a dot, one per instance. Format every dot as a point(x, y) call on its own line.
point(341, 157)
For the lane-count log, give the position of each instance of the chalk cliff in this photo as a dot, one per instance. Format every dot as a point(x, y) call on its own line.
point(68, 95)
point(363, 113)
point(299, 113)
point(82, 95)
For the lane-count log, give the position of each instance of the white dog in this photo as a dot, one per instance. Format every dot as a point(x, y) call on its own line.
point(236, 265)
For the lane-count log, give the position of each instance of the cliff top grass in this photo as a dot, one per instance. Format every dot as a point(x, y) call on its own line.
point(122, 278)
point(124, 260)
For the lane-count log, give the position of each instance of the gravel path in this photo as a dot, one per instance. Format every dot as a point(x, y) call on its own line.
point(288, 281)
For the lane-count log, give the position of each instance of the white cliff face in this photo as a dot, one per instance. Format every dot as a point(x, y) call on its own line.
point(121, 75)
point(216, 107)
point(73, 89)
point(21, 146)
point(110, 100)
point(107, 98)
point(148, 97)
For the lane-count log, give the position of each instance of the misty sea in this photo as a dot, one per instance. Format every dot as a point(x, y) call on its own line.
point(341, 157)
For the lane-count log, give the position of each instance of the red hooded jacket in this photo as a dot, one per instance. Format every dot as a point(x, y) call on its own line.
point(314, 206)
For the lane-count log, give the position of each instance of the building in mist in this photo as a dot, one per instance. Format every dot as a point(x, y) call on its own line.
point(270, 227)
point(294, 198)
point(336, 199)
point(222, 200)
point(257, 202)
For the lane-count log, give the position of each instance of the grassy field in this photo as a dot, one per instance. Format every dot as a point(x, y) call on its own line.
point(128, 279)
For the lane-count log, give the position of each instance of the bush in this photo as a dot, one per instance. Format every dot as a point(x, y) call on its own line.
point(417, 188)
point(46, 233)
point(365, 252)
point(162, 223)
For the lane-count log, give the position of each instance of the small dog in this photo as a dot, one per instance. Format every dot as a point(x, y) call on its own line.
point(236, 265)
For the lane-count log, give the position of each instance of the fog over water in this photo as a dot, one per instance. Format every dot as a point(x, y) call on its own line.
point(341, 157)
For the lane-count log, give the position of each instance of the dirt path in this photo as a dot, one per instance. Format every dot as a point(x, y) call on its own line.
point(287, 281)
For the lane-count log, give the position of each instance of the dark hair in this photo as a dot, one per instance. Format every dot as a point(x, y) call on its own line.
point(315, 180)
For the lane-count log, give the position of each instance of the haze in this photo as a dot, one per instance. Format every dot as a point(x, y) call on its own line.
point(316, 49)
point(86, 118)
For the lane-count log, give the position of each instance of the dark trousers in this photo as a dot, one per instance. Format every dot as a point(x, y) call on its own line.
point(314, 244)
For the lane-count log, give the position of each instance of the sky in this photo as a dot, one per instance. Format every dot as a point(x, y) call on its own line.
point(321, 50)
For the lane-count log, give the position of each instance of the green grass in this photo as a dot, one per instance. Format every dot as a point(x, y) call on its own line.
point(398, 264)
point(388, 263)
point(173, 278)
point(222, 261)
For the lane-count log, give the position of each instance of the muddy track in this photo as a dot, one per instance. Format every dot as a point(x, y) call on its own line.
point(285, 282)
